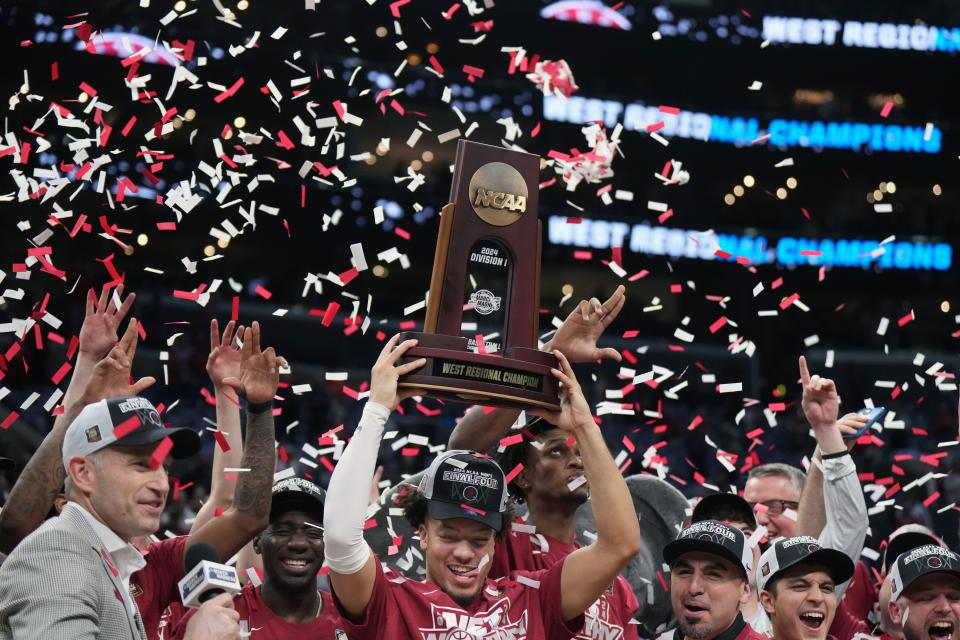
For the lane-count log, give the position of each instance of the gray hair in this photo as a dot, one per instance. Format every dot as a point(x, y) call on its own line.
point(796, 476)
point(96, 459)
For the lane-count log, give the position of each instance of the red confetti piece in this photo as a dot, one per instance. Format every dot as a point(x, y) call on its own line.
point(330, 313)
point(61, 372)
point(887, 108)
point(933, 498)
point(583, 255)
point(229, 92)
point(717, 324)
point(221, 441)
point(629, 445)
point(473, 72)
point(696, 422)
point(639, 275)
point(160, 453)
point(395, 7)
point(906, 319)
point(663, 583)
point(126, 427)
point(536, 130)
point(674, 111)
point(467, 507)
point(262, 292)
point(55, 71)
point(789, 300)
point(633, 333)
point(235, 308)
point(9, 420)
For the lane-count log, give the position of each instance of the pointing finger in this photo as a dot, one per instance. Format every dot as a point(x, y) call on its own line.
point(804, 372)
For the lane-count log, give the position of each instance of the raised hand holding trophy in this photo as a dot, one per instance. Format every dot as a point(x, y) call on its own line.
point(486, 281)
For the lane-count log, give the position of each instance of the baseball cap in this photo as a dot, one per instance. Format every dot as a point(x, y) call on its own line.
point(5, 463)
point(297, 494)
point(96, 427)
point(712, 536)
point(905, 538)
point(912, 565)
point(465, 484)
point(724, 506)
point(789, 552)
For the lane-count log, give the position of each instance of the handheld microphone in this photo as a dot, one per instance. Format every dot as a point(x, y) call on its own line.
point(205, 577)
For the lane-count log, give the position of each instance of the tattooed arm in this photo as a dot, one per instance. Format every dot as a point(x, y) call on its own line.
point(250, 512)
point(42, 478)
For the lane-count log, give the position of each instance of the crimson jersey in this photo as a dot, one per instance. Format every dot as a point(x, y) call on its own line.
point(155, 586)
point(862, 593)
point(523, 606)
point(263, 624)
point(846, 625)
point(606, 619)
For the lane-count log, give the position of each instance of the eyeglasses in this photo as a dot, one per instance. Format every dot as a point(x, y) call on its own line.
point(775, 507)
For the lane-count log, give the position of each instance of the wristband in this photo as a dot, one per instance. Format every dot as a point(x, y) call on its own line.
point(259, 407)
point(833, 456)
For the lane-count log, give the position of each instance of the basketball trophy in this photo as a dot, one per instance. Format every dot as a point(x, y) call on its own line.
point(486, 282)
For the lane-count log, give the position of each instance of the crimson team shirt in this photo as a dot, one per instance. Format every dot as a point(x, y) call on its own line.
point(263, 624)
point(862, 593)
point(846, 625)
point(523, 606)
point(155, 586)
point(606, 619)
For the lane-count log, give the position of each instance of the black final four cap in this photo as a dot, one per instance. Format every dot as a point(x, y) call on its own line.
point(465, 484)
point(790, 552)
point(712, 536)
point(917, 563)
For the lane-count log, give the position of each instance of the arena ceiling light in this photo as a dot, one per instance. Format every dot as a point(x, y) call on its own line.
point(589, 12)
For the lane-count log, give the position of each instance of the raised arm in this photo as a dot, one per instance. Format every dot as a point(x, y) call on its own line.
point(223, 362)
point(576, 338)
point(589, 571)
point(250, 511)
point(841, 496)
point(352, 569)
point(42, 478)
point(812, 513)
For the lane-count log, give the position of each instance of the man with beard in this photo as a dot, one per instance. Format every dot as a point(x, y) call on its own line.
point(798, 581)
point(925, 593)
point(460, 507)
point(288, 605)
point(552, 484)
point(709, 564)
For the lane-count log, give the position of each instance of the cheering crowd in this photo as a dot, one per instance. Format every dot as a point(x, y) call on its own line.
point(780, 559)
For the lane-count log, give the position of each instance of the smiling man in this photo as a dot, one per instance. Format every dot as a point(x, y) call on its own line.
point(798, 581)
point(709, 564)
point(288, 605)
point(925, 593)
point(71, 577)
point(460, 508)
point(551, 482)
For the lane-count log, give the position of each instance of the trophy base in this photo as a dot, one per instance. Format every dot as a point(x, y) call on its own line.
point(518, 378)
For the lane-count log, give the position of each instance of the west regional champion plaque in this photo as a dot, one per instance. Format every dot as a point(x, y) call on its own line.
point(480, 333)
